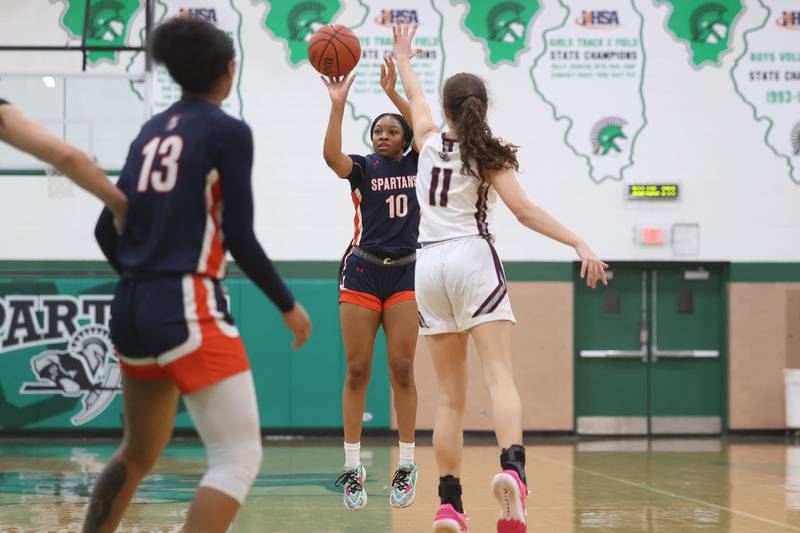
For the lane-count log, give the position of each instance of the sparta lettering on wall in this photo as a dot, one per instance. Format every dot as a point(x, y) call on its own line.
point(79, 360)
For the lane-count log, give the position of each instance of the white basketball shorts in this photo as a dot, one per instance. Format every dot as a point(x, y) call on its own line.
point(460, 283)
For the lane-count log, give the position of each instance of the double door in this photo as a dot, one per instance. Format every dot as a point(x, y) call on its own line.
point(649, 352)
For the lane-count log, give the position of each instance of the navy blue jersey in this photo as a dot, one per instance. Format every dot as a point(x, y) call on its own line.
point(384, 196)
point(187, 179)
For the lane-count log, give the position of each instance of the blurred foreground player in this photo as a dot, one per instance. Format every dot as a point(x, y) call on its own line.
point(187, 177)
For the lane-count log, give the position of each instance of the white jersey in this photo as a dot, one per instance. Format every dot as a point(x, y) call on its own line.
point(452, 204)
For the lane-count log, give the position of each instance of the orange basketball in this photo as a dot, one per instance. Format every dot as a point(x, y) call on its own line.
point(334, 50)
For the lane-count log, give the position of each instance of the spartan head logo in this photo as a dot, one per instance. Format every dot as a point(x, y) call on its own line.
point(607, 135)
point(85, 367)
point(504, 22)
point(304, 20)
point(708, 25)
point(796, 139)
point(107, 22)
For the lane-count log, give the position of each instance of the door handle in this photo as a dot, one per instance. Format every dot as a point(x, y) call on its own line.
point(674, 354)
point(616, 354)
point(696, 354)
point(641, 353)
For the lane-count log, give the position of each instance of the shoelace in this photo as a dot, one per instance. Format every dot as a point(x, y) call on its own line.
point(400, 479)
point(349, 480)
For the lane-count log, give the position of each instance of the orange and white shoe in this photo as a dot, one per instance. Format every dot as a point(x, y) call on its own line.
point(448, 520)
point(510, 492)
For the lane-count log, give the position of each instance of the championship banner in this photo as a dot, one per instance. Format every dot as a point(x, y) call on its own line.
point(224, 15)
point(367, 99)
point(767, 77)
point(591, 74)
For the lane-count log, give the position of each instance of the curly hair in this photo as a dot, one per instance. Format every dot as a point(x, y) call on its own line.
point(466, 102)
point(194, 51)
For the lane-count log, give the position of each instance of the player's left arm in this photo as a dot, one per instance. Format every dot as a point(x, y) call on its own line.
point(24, 134)
point(235, 165)
point(420, 111)
point(389, 83)
point(534, 217)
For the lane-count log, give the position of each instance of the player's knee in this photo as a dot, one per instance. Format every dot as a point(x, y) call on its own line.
point(357, 376)
point(454, 401)
point(497, 376)
point(138, 463)
point(233, 467)
point(402, 373)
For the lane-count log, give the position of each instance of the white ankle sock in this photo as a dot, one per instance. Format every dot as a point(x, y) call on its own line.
point(406, 453)
point(352, 454)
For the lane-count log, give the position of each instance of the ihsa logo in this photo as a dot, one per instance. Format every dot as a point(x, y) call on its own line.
point(599, 20)
point(790, 20)
point(387, 17)
point(207, 14)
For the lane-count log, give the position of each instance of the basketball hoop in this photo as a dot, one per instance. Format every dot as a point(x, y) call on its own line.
point(58, 185)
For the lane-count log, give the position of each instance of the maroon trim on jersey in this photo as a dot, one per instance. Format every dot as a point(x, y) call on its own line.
point(445, 187)
point(497, 295)
point(421, 320)
point(480, 213)
point(434, 185)
point(447, 144)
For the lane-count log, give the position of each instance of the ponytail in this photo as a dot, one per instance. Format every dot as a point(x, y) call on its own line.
point(466, 102)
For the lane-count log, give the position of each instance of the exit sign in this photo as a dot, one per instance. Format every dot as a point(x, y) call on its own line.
point(651, 236)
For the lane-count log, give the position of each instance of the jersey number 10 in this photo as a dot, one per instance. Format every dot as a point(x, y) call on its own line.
point(398, 205)
point(170, 151)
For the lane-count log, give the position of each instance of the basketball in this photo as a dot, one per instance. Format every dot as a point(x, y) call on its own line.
point(334, 50)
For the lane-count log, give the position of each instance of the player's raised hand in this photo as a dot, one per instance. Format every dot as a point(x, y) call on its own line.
point(338, 87)
point(592, 268)
point(388, 75)
point(403, 34)
point(299, 324)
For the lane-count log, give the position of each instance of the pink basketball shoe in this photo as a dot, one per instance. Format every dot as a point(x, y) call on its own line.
point(448, 520)
point(511, 493)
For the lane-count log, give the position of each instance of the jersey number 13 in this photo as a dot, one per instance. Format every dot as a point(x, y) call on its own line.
point(170, 151)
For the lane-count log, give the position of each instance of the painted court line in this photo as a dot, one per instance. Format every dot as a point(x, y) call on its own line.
point(669, 494)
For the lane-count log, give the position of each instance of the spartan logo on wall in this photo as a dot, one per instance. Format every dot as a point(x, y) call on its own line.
point(607, 135)
point(78, 359)
point(295, 21)
point(708, 25)
point(504, 22)
point(796, 139)
point(107, 22)
point(304, 20)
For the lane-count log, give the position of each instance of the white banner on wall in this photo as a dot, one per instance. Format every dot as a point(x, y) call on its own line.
point(591, 73)
point(598, 94)
point(367, 98)
point(224, 15)
point(767, 77)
